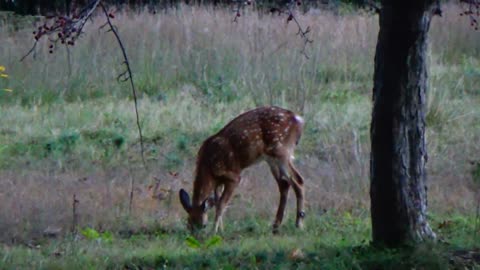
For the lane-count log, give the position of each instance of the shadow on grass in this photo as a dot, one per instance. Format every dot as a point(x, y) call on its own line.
point(332, 242)
point(427, 256)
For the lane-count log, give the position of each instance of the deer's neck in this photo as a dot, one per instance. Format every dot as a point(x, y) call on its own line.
point(203, 187)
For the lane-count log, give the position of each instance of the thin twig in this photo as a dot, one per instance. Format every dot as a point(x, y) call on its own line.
point(303, 33)
point(74, 214)
point(236, 10)
point(476, 228)
point(69, 62)
point(32, 50)
point(132, 185)
point(127, 75)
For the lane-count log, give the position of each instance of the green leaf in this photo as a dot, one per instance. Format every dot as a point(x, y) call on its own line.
point(90, 233)
point(213, 241)
point(107, 237)
point(192, 242)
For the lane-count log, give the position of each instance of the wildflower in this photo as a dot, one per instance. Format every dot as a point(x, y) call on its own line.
point(2, 70)
point(3, 75)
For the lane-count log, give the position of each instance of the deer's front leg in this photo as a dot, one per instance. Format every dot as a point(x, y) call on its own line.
point(229, 187)
point(218, 191)
point(283, 187)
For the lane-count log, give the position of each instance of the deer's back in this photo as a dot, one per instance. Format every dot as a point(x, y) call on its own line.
point(264, 131)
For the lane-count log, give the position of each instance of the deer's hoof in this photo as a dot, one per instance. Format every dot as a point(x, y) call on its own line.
point(300, 225)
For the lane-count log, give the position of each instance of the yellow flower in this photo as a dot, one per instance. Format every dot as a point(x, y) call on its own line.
point(4, 75)
point(8, 89)
point(2, 68)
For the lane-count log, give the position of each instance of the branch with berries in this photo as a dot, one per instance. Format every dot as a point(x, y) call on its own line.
point(238, 6)
point(66, 30)
point(63, 29)
point(289, 11)
point(472, 11)
point(304, 33)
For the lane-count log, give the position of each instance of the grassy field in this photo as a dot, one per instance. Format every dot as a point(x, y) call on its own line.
point(333, 241)
point(69, 130)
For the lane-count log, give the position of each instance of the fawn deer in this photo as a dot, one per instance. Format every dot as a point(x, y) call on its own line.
point(265, 133)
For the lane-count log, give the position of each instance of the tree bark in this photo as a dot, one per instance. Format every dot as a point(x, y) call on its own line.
point(397, 165)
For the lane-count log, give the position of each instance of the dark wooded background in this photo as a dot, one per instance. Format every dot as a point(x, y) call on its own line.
point(35, 7)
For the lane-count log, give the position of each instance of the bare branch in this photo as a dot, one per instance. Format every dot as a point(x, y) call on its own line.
point(32, 50)
point(127, 75)
point(290, 12)
point(303, 33)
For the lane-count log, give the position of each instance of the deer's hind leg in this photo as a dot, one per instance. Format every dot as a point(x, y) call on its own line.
point(298, 188)
point(283, 187)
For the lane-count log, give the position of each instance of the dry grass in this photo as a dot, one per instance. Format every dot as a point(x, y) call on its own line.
point(196, 70)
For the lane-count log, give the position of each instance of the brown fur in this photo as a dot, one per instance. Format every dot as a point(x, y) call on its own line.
point(265, 133)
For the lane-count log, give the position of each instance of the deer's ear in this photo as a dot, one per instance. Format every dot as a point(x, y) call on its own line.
point(185, 200)
point(208, 203)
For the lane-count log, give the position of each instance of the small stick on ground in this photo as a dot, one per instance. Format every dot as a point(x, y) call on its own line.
point(75, 202)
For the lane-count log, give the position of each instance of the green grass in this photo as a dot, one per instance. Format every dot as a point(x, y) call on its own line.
point(332, 241)
point(72, 134)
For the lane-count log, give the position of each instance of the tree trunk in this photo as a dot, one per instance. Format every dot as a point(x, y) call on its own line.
point(397, 166)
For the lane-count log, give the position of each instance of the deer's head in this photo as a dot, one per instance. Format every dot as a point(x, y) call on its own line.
point(197, 214)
